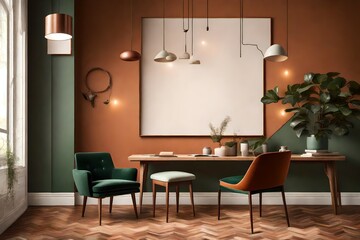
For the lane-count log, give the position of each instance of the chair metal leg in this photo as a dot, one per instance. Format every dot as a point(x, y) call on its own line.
point(260, 203)
point(286, 212)
point(84, 206)
point(134, 204)
point(192, 197)
point(219, 200)
point(167, 202)
point(100, 209)
point(111, 203)
point(154, 197)
point(177, 198)
point(251, 212)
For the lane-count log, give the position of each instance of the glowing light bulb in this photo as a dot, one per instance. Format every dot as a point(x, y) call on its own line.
point(282, 112)
point(115, 102)
point(203, 42)
point(170, 65)
point(286, 73)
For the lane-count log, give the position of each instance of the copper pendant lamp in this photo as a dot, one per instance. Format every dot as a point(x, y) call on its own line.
point(58, 26)
point(192, 59)
point(130, 55)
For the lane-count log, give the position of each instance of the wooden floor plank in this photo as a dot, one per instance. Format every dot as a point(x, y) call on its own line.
point(307, 222)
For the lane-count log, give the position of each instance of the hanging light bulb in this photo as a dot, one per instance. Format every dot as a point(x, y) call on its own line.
point(185, 55)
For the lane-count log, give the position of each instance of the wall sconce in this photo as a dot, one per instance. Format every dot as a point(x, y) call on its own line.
point(58, 26)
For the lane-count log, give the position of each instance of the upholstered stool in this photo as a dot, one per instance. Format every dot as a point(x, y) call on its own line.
point(172, 178)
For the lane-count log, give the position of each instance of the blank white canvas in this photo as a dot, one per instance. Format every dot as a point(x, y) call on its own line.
point(180, 99)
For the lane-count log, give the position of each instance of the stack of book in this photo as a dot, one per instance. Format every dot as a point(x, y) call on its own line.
point(314, 153)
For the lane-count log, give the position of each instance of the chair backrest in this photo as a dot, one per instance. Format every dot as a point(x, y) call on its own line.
point(268, 170)
point(99, 164)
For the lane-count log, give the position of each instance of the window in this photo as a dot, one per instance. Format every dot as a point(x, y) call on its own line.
point(4, 44)
point(13, 79)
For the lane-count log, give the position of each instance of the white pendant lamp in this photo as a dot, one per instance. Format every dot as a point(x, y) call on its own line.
point(276, 53)
point(192, 59)
point(164, 56)
point(58, 26)
point(185, 55)
point(130, 55)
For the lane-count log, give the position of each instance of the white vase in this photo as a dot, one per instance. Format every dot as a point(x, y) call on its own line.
point(219, 151)
point(244, 148)
point(264, 147)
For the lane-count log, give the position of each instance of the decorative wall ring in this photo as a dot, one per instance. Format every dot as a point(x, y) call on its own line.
point(91, 94)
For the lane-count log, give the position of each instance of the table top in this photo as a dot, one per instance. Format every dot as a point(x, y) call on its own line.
point(193, 157)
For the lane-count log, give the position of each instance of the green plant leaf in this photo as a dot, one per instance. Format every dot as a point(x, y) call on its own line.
point(354, 87)
point(305, 88)
point(292, 109)
point(330, 108)
point(345, 111)
point(355, 102)
point(333, 74)
point(325, 97)
point(297, 120)
point(271, 96)
point(315, 108)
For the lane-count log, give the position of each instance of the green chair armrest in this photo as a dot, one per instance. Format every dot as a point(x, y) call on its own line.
point(125, 173)
point(83, 180)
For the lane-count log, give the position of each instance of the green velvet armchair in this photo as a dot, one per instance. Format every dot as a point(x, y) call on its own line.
point(95, 176)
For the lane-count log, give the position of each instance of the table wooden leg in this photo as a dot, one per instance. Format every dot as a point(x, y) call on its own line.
point(330, 172)
point(338, 192)
point(143, 175)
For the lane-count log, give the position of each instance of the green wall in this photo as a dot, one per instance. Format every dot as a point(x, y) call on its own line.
point(51, 105)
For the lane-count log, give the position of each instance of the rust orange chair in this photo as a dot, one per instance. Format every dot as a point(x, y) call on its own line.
point(267, 173)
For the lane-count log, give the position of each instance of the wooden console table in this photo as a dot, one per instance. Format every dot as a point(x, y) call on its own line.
point(328, 161)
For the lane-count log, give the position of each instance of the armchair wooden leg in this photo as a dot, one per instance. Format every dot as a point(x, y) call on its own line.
point(100, 209)
point(154, 197)
point(134, 204)
point(167, 202)
point(111, 203)
point(219, 200)
point(84, 205)
point(251, 212)
point(286, 212)
point(177, 198)
point(192, 197)
point(260, 203)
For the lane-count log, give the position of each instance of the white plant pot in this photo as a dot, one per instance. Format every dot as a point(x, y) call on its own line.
point(219, 151)
point(244, 148)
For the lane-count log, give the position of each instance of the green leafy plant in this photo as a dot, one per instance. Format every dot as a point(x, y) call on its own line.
point(11, 172)
point(322, 105)
point(216, 134)
point(256, 143)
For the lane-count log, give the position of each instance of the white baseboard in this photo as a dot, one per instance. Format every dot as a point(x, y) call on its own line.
point(8, 220)
point(200, 198)
point(51, 199)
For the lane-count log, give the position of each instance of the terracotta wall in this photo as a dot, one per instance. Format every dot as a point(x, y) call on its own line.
point(323, 36)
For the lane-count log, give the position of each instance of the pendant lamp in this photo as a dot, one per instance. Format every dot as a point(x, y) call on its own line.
point(192, 59)
point(163, 55)
point(276, 53)
point(58, 26)
point(185, 55)
point(130, 55)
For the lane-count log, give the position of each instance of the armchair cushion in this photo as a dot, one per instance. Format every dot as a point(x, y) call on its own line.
point(113, 185)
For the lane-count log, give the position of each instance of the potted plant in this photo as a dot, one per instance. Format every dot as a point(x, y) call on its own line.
point(11, 173)
point(231, 147)
point(322, 105)
point(216, 135)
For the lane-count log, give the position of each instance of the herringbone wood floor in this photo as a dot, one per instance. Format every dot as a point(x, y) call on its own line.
point(307, 222)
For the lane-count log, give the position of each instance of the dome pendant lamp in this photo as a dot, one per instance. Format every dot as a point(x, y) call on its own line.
point(58, 26)
point(276, 53)
point(163, 55)
point(192, 60)
point(130, 55)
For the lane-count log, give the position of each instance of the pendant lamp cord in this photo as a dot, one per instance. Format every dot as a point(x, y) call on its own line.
point(131, 30)
point(192, 27)
point(188, 16)
point(287, 27)
point(163, 24)
point(242, 30)
point(207, 15)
